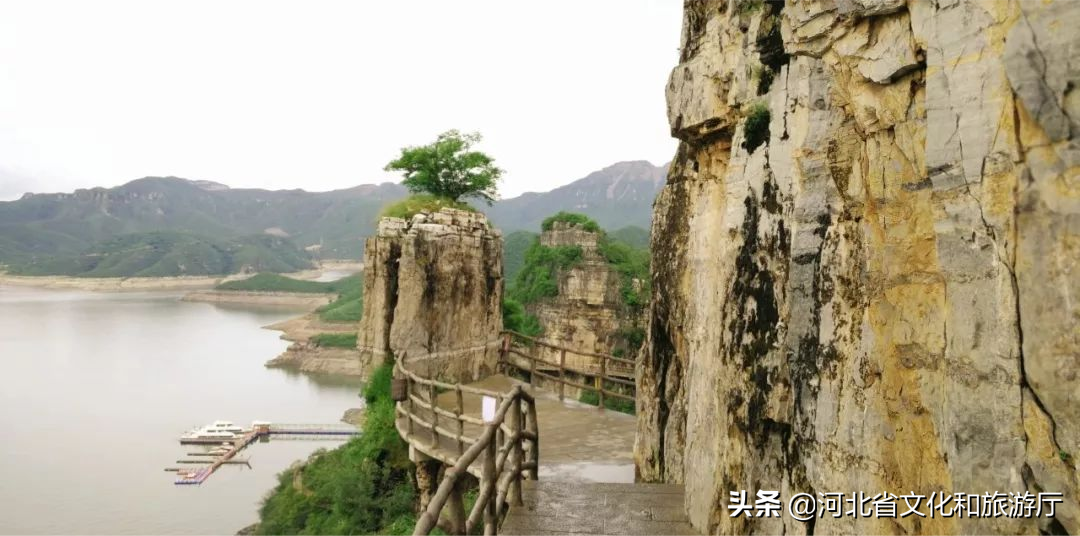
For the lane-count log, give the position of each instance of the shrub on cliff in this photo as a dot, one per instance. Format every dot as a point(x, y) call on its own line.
point(633, 264)
point(415, 204)
point(363, 487)
point(449, 168)
point(756, 128)
point(517, 319)
point(582, 220)
point(537, 278)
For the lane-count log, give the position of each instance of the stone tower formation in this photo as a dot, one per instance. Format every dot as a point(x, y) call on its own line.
point(433, 288)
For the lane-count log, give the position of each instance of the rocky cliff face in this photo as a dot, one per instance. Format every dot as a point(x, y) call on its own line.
point(433, 286)
point(588, 313)
point(865, 267)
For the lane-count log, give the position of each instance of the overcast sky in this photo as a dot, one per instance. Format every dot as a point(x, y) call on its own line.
point(321, 95)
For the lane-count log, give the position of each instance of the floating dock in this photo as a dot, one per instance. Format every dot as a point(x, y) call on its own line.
point(240, 442)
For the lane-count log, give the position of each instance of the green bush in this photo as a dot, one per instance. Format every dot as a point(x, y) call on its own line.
point(570, 217)
point(537, 278)
point(515, 318)
point(633, 265)
point(362, 487)
point(415, 204)
point(756, 128)
point(335, 340)
point(593, 398)
point(378, 385)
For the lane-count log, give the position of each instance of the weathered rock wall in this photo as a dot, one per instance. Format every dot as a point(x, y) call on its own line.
point(881, 294)
point(588, 313)
point(433, 287)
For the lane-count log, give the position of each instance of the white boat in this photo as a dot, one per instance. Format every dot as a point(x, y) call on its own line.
point(220, 432)
point(225, 426)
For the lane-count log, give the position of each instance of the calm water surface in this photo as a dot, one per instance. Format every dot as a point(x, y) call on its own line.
point(98, 386)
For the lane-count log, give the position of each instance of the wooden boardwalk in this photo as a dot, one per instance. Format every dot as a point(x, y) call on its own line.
point(578, 441)
point(592, 508)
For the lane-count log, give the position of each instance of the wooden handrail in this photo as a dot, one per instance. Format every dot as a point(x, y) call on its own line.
point(561, 379)
point(505, 441)
point(509, 443)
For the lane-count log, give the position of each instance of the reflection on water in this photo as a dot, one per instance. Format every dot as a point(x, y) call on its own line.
point(98, 386)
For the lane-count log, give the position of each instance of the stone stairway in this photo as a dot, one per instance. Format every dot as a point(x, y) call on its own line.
point(555, 507)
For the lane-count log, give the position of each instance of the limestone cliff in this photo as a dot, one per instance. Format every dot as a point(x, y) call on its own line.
point(433, 286)
point(589, 312)
point(865, 261)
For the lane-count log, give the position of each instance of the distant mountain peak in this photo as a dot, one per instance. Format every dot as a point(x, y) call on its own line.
point(210, 186)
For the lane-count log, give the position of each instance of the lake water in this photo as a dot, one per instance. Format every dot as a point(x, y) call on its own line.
point(98, 386)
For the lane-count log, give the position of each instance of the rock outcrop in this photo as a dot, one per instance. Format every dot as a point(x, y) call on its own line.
point(589, 312)
point(433, 288)
point(865, 260)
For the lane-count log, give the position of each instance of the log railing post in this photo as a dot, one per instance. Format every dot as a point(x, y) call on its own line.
point(600, 380)
point(460, 423)
point(456, 504)
point(562, 373)
point(488, 481)
point(517, 427)
point(533, 356)
point(504, 353)
point(433, 400)
point(533, 427)
point(412, 409)
point(500, 436)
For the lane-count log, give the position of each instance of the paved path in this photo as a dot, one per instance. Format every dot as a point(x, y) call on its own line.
point(577, 441)
point(590, 508)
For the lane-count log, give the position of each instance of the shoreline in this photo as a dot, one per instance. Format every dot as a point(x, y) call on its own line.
point(311, 300)
point(304, 356)
point(182, 282)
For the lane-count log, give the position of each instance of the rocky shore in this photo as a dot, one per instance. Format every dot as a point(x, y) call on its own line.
point(306, 356)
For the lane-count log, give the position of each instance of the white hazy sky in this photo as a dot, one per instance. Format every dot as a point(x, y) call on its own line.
point(321, 94)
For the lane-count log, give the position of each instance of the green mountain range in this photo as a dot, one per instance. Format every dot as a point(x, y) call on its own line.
point(174, 226)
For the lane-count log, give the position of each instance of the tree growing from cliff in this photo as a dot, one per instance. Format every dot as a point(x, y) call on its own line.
point(449, 168)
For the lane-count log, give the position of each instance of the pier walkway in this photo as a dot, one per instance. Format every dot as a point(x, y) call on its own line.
point(546, 464)
point(199, 475)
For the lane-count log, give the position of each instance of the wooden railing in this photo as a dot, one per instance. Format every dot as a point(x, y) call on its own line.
point(508, 444)
point(610, 369)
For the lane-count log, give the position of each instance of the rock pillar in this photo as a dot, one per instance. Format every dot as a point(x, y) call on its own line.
point(433, 289)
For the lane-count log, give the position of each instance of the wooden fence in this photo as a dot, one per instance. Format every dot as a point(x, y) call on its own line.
point(507, 447)
point(609, 370)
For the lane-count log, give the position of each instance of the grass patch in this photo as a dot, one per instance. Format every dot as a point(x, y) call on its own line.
point(415, 204)
point(334, 340)
point(363, 487)
point(570, 217)
point(756, 128)
point(617, 404)
point(267, 282)
point(349, 305)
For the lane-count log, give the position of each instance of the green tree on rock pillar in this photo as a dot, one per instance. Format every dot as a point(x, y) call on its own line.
point(449, 168)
